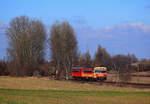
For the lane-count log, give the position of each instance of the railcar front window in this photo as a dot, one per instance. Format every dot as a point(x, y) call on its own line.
point(100, 71)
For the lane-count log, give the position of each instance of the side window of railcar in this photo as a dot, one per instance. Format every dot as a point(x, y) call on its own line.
point(76, 70)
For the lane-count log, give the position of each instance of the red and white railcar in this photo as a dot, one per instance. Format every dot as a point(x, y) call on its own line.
point(97, 73)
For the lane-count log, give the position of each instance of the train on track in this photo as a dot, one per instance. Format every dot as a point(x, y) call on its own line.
point(92, 73)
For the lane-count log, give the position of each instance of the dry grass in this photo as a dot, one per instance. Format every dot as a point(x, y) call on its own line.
point(34, 83)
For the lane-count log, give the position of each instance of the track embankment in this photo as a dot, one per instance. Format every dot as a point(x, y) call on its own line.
point(121, 84)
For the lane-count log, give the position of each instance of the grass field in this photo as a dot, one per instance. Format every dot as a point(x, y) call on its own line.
point(32, 90)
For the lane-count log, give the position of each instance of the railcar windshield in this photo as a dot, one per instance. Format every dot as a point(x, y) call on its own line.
point(100, 71)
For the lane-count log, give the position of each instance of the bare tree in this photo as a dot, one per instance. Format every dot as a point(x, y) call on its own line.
point(3, 67)
point(63, 45)
point(85, 60)
point(26, 44)
point(121, 65)
point(102, 57)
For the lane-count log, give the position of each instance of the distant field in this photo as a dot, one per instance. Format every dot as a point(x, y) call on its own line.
point(32, 90)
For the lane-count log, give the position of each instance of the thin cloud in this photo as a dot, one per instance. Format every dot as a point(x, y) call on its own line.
point(128, 29)
point(134, 27)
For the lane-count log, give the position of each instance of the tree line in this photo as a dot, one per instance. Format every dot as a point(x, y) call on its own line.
point(27, 39)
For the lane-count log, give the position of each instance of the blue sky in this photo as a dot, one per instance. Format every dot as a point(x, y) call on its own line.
point(120, 26)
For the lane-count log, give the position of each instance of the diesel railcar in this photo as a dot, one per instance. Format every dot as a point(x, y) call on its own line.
point(95, 73)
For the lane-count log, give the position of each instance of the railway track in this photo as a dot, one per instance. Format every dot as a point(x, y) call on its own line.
point(135, 85)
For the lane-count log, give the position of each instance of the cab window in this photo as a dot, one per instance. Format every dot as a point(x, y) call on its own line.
point(100, 71)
